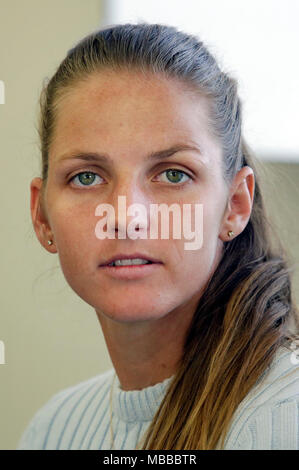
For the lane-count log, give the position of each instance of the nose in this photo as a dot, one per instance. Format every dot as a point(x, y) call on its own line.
point(131, 208)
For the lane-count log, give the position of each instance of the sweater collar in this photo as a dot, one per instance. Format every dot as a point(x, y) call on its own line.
point(138, 405)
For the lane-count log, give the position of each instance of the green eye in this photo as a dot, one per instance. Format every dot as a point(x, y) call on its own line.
point(85, 178)
point(175, 176)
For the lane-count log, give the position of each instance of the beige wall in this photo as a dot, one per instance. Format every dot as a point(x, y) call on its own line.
point(52, 338)
point(281, 191)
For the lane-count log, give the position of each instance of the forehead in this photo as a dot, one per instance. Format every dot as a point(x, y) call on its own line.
point(130, 108)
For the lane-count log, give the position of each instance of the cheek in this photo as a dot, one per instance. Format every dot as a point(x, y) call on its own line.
point(75, 237)
point(195, 266)
point(199, 264)
point(72, 220)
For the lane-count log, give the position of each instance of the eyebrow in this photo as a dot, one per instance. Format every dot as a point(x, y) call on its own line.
point(104, 158)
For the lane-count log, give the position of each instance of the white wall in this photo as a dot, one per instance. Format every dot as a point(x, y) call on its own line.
point(256, 41)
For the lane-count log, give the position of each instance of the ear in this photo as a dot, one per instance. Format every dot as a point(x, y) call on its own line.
point(239, 204)
point(38, 216)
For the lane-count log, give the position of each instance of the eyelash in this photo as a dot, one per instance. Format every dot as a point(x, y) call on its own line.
point(164, 171)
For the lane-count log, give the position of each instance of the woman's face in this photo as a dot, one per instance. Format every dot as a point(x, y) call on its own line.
point(126, 117)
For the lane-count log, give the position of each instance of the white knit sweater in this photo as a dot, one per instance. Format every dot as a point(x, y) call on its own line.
point(79, 417)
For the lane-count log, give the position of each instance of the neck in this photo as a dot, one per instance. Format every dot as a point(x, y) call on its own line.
point(145, 353)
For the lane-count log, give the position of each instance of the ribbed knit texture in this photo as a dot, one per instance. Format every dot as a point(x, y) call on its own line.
point(79, 417)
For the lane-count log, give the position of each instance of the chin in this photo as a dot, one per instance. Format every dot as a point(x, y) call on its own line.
point(131, 313)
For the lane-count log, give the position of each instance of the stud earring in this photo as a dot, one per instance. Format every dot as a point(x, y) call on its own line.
point(230, 233)
point(50, 242)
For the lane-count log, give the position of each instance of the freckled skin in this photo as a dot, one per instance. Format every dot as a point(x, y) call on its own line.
point(128, 116)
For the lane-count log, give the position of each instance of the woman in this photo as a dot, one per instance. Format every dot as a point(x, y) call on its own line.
point(201, 340)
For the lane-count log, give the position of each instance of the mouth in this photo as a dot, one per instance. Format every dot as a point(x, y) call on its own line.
point(127, 270)
point(132, 264)
point(135, 259)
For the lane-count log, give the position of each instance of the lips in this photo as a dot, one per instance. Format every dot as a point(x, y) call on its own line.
point(131, 256)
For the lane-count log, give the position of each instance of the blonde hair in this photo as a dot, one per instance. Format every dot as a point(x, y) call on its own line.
point(244, 315)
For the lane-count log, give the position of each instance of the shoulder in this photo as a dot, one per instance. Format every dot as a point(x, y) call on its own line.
point(268, 416)
point(65, 407)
